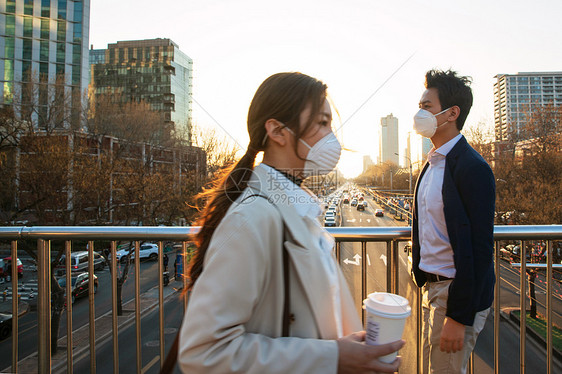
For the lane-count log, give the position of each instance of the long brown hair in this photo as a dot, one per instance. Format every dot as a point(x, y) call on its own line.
point(282, 97)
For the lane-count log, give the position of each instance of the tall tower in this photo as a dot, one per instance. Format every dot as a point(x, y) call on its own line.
point(44, 41)
point(152, 70)
point(515, 96)
point(388, 140)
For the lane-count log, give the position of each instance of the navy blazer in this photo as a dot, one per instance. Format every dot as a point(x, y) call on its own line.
point(469, 195)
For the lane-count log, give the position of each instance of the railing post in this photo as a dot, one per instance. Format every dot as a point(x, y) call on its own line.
point(137, 307)
point(91, 307)
point(419, 322)
point(389, 268)
point(523, 307)
point(68, 276)
point(363, 277)
point(549, 307)
point(497, 310)
point(114, 321)
point(394, 262)
point(44, 305)
point(15, 307)
point(161, 301)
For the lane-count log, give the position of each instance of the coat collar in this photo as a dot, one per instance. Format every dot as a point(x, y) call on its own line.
point(305, 261)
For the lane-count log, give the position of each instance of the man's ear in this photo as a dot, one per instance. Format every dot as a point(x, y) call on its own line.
point(275, 132)
point(455, 113)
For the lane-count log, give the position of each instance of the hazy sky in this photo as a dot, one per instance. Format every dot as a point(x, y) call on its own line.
point(354, 46)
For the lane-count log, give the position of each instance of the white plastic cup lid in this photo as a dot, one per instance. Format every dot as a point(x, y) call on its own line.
point(388, 304)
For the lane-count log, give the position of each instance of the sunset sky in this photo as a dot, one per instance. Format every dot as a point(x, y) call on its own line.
point(354, 46)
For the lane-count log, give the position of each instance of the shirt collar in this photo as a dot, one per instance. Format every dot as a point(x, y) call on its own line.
point(301, 198)
point(446, 148)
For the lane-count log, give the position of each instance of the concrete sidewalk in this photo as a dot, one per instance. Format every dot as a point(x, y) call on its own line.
point(104, 330)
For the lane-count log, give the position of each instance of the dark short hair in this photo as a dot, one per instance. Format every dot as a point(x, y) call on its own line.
point(452, 90)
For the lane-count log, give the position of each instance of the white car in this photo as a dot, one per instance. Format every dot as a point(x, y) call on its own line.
point(147, 251)
point(330, 222)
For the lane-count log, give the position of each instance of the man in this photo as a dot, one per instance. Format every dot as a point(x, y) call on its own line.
point(452, 228)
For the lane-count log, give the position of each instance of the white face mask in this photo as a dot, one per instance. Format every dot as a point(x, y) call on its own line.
point(425, 123)
point(322, 157)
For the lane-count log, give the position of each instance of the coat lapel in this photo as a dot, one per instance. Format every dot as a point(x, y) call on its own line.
point(300, 246)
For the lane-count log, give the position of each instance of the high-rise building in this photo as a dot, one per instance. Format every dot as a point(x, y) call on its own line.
point(154, 71)
point(44, 40)
point(388, 140)
point(515, 96)
point(367, 163)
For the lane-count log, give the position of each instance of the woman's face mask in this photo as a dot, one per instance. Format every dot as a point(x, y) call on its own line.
point(425, 122)
point(323, 156)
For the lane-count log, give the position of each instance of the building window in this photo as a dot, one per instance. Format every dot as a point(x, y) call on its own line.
point(28, 7)
point(77, 12)
point(28, 27)
point(45, 8)
point(8, 70)
point(44, 50)
point(76, 54)
point(43, 71)
point(77, 33)
point(76, 75)
point(26, 70)
point(11, 6)
point(9, 47)
point(60, 70)
point(10, 25)
point(61, 31)
point(27, 49)
point(62, 9)
point(45, 28)
point(61, 52)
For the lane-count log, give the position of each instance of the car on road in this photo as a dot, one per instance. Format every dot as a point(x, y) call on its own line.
point(354, 202)
point(362, 205)
point(379, 213)
point(6, 262)
point(79, 262)
point(329, 221)
point(330, 213)
point(79, 285)
point(5, 325)
point(147, 251)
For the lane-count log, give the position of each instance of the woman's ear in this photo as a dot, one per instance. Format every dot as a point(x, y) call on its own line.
point(275, 132)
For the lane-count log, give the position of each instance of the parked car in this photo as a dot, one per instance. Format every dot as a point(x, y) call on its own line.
point(379, 213)
point(79, 285)
point(147, 251)
point(79, 262)
point(329, 221)
point(5, 325)
point(6, 262)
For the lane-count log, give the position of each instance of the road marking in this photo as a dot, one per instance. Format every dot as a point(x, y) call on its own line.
point(368, 260)
point(383, 258)
point(351, 220)
point(357, 257)
point(150, 364)
point(369, 220)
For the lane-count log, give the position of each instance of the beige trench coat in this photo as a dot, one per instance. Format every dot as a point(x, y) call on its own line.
point(234, 317)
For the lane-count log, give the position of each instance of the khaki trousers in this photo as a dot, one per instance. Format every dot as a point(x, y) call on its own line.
point(434, 307)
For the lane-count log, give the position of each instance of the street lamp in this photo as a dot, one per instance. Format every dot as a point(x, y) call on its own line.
point(410, 168)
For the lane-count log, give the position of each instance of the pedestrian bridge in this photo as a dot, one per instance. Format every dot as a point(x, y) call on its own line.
point(392, 237)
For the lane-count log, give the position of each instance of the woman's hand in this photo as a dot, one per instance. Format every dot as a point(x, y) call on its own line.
point(358, 357)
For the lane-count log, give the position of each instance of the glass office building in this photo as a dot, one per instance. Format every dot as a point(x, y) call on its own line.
point(154, 71)
point(515, 95)
point(41, 40)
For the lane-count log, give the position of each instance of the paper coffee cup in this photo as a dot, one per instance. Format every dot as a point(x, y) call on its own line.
point(386, 316)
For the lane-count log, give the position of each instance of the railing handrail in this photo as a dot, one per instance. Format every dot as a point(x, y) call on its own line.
point(381, 233)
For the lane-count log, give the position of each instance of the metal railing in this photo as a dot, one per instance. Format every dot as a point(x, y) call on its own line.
point(389, 235)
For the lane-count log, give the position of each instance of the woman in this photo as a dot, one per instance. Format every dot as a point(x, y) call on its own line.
point(235, 319)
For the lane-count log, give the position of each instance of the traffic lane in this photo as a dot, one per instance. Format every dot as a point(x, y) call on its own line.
point(27, 329)
point(102, 299)
point(150, 343)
